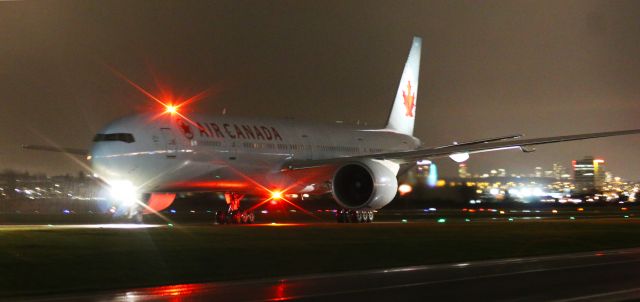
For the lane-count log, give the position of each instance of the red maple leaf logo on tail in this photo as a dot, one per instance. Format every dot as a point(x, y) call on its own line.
point(409, 100)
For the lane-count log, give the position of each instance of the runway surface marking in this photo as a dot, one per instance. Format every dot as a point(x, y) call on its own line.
point(416, 284)
point(611, 296)
point(339, 286)
point(32, 227)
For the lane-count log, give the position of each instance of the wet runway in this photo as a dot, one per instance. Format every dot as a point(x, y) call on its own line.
point(594, 276)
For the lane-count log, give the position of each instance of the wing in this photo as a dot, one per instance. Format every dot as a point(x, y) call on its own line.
point(494, 144)
point(74, 151)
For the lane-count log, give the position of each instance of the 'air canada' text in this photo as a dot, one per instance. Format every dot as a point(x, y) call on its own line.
point(238, 131)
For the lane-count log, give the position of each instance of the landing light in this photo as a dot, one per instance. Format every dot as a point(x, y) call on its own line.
point(124, 192)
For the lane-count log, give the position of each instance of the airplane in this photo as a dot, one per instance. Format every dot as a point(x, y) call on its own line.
point(147, 160)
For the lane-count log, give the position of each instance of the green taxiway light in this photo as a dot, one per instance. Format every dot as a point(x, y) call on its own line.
point(442, 220)
point(170, 224)
point(404, 221)
point(467, 220)
point(510, 219)
point(572, 218)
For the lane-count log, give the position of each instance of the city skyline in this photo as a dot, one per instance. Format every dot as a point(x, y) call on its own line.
point(490, 69)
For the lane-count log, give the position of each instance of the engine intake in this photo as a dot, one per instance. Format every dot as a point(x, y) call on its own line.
point(364, 184)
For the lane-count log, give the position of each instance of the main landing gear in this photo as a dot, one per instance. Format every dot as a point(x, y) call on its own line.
point(355, 216)
point(233, 214)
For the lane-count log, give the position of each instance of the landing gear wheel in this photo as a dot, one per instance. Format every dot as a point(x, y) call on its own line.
point(135, 215)
point(233, 214)
point(341, 216)
point(354, 216)
point(236, 218)
point(370, 216)
point(221, 217)
point(138, 218)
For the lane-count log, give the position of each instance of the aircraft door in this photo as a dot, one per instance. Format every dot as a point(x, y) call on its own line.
point(307, 147)
point(171, 144)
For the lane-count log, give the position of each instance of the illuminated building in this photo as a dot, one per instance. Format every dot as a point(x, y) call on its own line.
point(558, 171)
point(599, 173)
point(14, 185)
point(588, 174)
point(608, 177)
point(538, 172)
point(412, 175)
point(554, 185)
point(462, 171)
point(432, 179)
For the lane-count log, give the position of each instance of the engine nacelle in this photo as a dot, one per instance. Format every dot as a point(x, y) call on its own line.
point(368, 184)
point(158, 202)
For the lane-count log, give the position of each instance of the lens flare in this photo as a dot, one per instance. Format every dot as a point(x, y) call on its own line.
point(276, 195)
point(171, 109)
point(171, 105)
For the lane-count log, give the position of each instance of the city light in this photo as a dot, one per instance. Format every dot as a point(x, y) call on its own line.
point(552, 185)
point(459, 157)
point(588, 181)
point(404, 189)
point(424, 162)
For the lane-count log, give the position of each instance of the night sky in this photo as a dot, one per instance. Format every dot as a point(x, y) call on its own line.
point(489, 68)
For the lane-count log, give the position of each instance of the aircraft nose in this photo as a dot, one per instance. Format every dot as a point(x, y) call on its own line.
point(113, 159)
point(103, 160)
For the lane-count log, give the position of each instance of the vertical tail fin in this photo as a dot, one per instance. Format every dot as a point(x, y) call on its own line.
point(402, 115)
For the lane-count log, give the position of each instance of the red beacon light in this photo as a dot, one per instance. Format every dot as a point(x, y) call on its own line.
point(276, 195)
point(171, 109)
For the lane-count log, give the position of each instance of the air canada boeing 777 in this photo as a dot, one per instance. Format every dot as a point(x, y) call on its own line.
point(146, 160)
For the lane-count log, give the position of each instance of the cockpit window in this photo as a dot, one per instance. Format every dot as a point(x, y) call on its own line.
point(123, 137)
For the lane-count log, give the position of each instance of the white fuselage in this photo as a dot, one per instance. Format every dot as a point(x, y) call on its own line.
point(221, 153)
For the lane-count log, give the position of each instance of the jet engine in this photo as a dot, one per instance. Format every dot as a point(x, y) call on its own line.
point(368, 184)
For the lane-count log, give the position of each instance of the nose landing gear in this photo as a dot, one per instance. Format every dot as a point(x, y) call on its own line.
point(233, 214)
point(355, 216)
